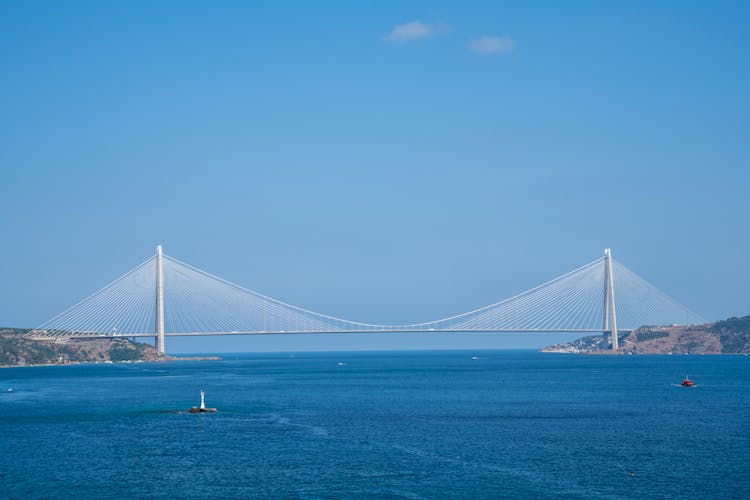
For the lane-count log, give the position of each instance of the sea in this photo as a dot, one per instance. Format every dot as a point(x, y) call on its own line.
point(440, 424)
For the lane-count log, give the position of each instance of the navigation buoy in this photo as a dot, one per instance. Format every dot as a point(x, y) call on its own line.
point(202, 408)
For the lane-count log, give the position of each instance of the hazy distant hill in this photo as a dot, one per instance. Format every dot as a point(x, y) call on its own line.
point(730, 336)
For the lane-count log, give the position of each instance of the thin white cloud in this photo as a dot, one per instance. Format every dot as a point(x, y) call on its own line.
point(414, 31)
point(492, 44)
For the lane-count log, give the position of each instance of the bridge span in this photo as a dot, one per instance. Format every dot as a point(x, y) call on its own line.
point(164, 297)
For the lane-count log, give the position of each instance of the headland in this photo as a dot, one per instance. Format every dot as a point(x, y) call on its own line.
point(17, 350)
point(730, 336)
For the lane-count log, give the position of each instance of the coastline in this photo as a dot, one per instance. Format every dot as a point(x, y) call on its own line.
point(729, 336)
point(167, 359)
point(17, 350)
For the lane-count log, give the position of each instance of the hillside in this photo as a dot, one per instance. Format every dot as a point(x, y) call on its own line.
point(15, 350)
point(730, 336)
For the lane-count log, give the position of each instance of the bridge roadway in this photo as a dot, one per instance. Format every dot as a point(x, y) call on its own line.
point(85, 335)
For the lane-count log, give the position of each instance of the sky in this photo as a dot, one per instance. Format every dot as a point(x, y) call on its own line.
point(384, 162)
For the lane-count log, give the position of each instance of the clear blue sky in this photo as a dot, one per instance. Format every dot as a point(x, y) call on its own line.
point(380, 161)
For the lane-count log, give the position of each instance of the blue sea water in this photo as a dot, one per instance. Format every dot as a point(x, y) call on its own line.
point(378, 425)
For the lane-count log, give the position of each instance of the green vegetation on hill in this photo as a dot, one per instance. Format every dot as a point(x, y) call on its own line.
point(734, 334)
point(645, 333)
point(130, 351)
point(13, 351)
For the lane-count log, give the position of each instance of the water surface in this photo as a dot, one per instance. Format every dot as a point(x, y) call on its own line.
point(386, 424)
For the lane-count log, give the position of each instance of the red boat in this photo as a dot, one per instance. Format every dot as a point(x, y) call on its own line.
point(687, 382)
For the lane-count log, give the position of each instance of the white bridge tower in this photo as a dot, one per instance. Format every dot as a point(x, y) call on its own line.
point(159, 302)
point(610, 311)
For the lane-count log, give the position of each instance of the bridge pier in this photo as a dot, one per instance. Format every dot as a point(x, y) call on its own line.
point(159, 302)
point(610, 311)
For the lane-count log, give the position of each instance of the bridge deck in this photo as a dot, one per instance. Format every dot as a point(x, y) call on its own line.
point(82, 335)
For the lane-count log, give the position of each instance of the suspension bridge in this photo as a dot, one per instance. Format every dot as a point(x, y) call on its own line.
point(164, 297)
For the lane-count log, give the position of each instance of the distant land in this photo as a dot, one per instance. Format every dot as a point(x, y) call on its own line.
point(730, 336)
point(16, 350)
